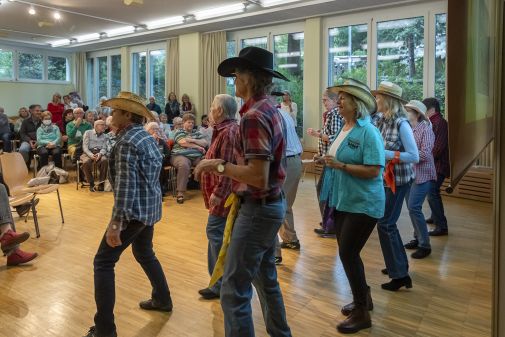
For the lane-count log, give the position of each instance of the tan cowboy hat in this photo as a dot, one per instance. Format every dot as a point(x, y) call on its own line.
point(390, 89)
point(357, 89)
point(417, 106)
point(130, 102)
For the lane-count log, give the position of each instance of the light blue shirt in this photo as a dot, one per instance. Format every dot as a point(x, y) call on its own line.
point(293, 145)
point(347, 193)
point(411, 153)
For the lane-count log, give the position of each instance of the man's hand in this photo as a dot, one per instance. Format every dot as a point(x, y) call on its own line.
point(97, 156)
point(112, 236)
point(214, 200)
point(206, 165)
point(201, 149)
point(78, 121)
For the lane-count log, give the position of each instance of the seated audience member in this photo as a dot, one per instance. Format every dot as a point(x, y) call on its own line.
point(28, 133)
point(67, 101)
point(90, 117)
point(23, 114)
point(186, 105)
point(288, 105)
point(75, 130)
point(165, 127)
point(76, 99)
point(56, 108)
point(111, 135)
point(9, 239)
point(189, 147)
point(206, 129)
point(216, 189)
point(5, 131)
point(176, 127)
point(173, 107)
point(48, 141)
point(94, 148)
point(156, 116)
point(154, 130)
point(68, 116)
point(152, 106)
point(102, 110)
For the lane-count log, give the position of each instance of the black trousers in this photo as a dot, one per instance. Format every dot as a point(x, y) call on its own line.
point(44, 156)
point(353, 231)
point(141, 239)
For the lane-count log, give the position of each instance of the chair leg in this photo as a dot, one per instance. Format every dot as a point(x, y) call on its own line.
point(35, 220)
point(61, 209)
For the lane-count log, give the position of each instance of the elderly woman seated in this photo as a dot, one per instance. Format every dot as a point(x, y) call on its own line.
point(188, 149)
point(48, 141)
point(154, 129)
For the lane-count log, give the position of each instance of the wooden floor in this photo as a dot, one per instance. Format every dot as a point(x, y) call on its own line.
point(54, 296)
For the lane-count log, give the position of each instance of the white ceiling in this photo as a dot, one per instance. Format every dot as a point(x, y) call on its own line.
point(94, 16)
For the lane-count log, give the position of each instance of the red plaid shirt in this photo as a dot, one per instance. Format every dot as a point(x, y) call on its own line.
point(224, 145)
point(425, 168)
point(262, 137)
point(441, 147)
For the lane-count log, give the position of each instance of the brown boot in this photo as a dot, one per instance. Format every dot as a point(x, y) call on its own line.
point(346, 309)
point(359, 319)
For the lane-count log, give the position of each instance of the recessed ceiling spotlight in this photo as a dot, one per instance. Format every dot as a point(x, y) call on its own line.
point(57, 15)
point(32, 11)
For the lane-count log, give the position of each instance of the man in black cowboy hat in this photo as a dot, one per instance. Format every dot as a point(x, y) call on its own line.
point(261, 170)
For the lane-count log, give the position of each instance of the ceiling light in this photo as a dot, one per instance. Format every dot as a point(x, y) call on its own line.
point(219, 11)
point(32, 11)
point(270, 3)
point(120, 31)
point(59, 43)
point(57, 15)
point(172, 21)
point(88, 37)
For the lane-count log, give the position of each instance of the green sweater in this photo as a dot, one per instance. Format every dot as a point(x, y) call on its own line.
point(48, 134)
point(75, 133)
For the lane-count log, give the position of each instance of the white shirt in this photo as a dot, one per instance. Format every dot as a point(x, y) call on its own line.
point(293, 113)
point(336, 144)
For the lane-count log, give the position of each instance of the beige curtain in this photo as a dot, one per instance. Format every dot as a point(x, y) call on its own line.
point(80, 75)
point(172, 68)
point(213, 52)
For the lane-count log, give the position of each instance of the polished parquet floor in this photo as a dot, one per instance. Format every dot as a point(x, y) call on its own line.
point(54, 295)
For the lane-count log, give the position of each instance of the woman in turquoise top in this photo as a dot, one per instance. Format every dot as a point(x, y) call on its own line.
point(48, 141)
point(354, 188)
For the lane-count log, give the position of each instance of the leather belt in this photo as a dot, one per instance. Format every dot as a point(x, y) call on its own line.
point(262, 201)
point(295, 155)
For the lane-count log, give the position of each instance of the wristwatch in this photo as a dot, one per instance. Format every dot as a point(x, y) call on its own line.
point(221, 167)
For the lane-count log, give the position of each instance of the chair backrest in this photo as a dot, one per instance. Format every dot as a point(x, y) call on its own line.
point(14, 171)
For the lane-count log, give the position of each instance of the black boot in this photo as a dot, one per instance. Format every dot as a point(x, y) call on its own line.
point(397, 283)
point(348, 308)
point(359, 319)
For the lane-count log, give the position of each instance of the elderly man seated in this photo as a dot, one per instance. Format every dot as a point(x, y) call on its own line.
point(75, 130)
point(189, 147)
point(94, 147)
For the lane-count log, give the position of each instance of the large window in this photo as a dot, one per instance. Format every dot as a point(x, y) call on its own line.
point(148, 66)
point(400, 55)
point(347, 56)
point(139, 74)
point(440, 44)
point(104, 76)
point(6, 64)
point(288, 60)
point(230, 52)
point(115, 75)
point(31, 66)
point(157, 75)
point(57, 68)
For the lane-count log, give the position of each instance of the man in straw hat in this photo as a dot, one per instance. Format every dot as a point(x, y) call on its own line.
point(134, 168)
point(261, 172)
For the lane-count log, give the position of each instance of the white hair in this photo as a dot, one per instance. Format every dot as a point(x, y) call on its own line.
point(228, 104)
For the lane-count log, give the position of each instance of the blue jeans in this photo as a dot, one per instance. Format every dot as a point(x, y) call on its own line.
point(250, 261)
point(389, 236)
point(6, 138)
point(436, 205)
point(215, 231)
point(140, 237)
point(25, 148)
point(415, 199)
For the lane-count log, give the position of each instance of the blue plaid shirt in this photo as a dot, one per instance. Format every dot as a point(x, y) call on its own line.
point(134, 171)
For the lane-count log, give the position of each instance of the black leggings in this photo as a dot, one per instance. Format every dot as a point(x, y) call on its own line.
point(353, 231)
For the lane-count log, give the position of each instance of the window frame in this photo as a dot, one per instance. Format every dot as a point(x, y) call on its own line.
point(148, 48)
point(95, 87)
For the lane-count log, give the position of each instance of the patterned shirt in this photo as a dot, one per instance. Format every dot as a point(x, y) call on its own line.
point(91, 140)
point(189, 152)
point(333, 122)
point(134, 171)
point(262, 133)
point(425, 169)
point(225, 141)
point(441, 146)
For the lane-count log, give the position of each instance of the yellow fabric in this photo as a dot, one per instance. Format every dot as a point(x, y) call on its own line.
point(234, 202)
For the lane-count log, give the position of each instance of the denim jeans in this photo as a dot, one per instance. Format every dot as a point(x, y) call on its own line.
point(250, 261)
point(140, 237)
point(6, 138)
point(436, 205)
point(25, 149)
point(5, 210)
point(415, 199)
point(215, 231)
point(389, 236)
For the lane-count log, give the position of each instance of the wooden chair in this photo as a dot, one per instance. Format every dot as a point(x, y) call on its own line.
point(14, 171)
point(28, 198)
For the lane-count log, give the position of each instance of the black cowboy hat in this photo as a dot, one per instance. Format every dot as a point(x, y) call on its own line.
point(253, 58)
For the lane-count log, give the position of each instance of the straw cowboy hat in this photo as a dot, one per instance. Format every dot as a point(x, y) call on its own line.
point(253, 58)
point(390, 89)
point(357, 89)
point(417, 106)
point(130, 102)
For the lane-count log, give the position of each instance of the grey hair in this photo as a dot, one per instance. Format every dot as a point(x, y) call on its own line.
point(78, 110)
point(151, 125)
point(228, 104)
point(361, 109)
point(177, 120)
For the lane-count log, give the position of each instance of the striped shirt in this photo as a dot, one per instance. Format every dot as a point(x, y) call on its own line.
point(425, 138)
point(189, 152)
point(134, 171)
